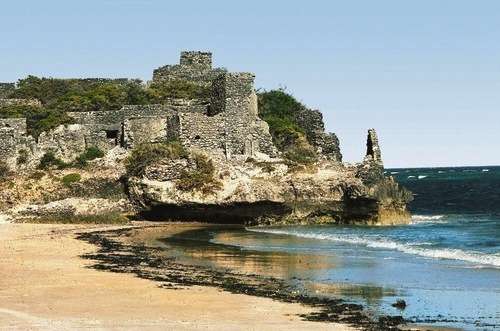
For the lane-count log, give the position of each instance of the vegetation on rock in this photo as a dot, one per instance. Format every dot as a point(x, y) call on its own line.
point(145, 155)
point(279, 109)
point(159, 92)
point(89, 154)
point(388, 191)
point(49, 160)
point(71, 178)
point(38, 117)
point(201, 179)
point(22, 157)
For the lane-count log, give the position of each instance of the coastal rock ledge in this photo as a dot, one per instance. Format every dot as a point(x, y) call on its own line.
point(257, 192)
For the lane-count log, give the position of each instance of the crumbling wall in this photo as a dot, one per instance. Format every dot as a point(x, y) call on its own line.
point(13, 140)
point(326, 144)
point(195, 67)
point(139, 130)
point(105, 129)
point(65, 141)
point(19, 102)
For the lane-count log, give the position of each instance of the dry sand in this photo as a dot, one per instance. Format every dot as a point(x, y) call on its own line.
point(45, 285)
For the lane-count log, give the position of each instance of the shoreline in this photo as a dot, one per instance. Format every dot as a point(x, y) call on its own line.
point(47, 285)
point(131, 251)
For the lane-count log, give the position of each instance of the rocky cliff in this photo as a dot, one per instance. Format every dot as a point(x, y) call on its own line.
point(268, 192)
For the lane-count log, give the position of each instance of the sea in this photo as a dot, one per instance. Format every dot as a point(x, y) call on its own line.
point(445, 265)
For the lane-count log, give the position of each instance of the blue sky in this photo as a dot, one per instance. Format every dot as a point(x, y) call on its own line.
point(424, 74)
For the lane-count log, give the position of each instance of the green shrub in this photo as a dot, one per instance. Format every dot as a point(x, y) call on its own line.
point(49, 160)
point(71, 178)
point(146, 155)
point(159, 92)
point(202, 179)
point(278, 103)
point(279, 109)
point(90, 153)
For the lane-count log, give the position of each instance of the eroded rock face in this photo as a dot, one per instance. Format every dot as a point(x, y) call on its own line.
point(250, 195)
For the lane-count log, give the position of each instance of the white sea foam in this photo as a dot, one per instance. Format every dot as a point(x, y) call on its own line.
point(421, 176)
point(411, 176)
point(394, 172)
point(426, 219)
point(486, 170)
point(409, 248)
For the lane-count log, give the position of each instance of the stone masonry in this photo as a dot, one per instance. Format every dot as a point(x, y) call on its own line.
point(194, 67)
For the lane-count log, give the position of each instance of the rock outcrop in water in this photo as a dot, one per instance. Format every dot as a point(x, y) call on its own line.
point(231, 169)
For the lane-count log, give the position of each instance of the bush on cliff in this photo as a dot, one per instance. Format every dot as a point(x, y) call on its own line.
point(146, 155)
point(49, 160)
point(89, 154)
point(71, 178)
point(202, 179)
point(279, 109)
point(159, 92)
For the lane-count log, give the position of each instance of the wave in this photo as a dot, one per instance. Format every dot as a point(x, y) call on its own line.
point(416, 219)
point(421, 176)
point(406, 248)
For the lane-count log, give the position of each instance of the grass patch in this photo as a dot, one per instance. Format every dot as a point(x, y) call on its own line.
point(71, 178)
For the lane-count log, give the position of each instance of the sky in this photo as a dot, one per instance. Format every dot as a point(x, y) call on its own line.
point(425, 74)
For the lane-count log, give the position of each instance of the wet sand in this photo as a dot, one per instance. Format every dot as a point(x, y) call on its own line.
point(45, 284)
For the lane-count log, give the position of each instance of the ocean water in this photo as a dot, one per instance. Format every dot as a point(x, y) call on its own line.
point(445, 264)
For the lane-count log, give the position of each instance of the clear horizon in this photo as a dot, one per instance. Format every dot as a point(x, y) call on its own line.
point(425, 75)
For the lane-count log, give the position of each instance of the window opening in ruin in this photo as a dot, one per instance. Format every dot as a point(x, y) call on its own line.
point(369, 147)
point(197, 137)
point(112, 134)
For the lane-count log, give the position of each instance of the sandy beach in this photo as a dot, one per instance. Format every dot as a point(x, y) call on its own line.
point(46, 285)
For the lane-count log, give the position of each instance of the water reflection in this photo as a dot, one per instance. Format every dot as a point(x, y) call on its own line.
point(221, 248)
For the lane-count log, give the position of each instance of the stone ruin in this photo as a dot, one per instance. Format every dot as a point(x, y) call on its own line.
point(226, 126)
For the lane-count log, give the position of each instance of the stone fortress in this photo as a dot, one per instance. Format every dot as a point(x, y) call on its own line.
point(224, 126)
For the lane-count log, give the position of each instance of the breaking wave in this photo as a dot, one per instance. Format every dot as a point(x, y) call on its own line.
point(418, 248)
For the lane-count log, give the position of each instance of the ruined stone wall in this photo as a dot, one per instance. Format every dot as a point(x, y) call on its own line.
point(139, 130)
point(326, 144)
point(65, 141)
point(199, 132)
point(105, 129)
point(18, 124)
point(231, 124)
point(19, 102)
point(195, 67)
point(13, 139)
